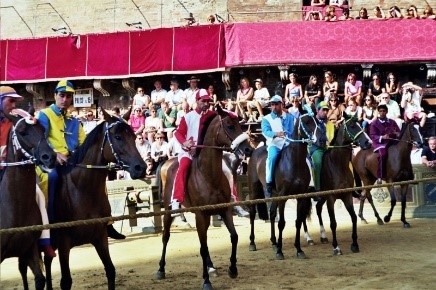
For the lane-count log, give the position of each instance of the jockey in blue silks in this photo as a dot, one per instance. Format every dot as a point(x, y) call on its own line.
point(276, 126)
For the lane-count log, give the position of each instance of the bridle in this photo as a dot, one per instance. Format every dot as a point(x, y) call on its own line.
point(31, 159)
point(353, 137)
point(309, 140)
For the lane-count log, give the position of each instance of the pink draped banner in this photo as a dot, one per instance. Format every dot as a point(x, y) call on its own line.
point(215, 47)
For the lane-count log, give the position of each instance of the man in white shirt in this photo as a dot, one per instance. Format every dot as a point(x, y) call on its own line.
point(89, 122)
point(191, 92)
point(174, 96)
point(158, 94)
point(411, 102)
point(143, 146)
point(393, 108)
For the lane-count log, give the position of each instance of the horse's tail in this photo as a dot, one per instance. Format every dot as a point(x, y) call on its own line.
point(262, 208)
point(306, 207)
point(159, 183)
point(357, 180)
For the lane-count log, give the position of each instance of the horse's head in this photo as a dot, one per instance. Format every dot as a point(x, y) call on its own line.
point(356, 133)
point(415, 134)
point(308, 130)
point(230, 133)
point(28, 139)
point(119, 146)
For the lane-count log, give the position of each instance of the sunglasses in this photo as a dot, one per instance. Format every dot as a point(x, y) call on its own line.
point(333, 100)
point(137, 110)
point(350, 79)
point(157, 138)
point(367, 99)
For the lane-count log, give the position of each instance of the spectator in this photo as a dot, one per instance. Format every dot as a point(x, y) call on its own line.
point(89, 122)
point(337, 3)
point(137, 120)
point(143, 146)
point(378, 13)
point(330, 86)
point(293, 90)
point(174, 96)
point(335, 114)
point(317, 3)
point(313, 16)
point(363, 14)
point(393, 109)
point(260, 101)
point(353, 89)
point(412, 12)
point(354, 111)
point(168, 116)
point(185, 109)
point(211, 92)
point(192, 91)
point(141, 99)
point(415, 154)
point(312, 92)
point(428, 156)
point(159, 148)
point(395, 12)
point(369, 111)
point(411, 103)
point(244, 94)
point(330, 14)
point(345, 15)
point(153, 124)
point(173, 148)
point(150, 170)
point(211, 19)
point(428, 13)
point(393, 87)
point(376, 88)
point(157, 95)
point(295, 109)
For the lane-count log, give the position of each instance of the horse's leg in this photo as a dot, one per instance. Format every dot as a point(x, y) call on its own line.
point(307, 236)
point(404, 189)
point(252, 208)
point(362, 203)
point(202, 221)
point(33, 260)
point(165, 238)
point(102, 248)
point(64, 261)
point(303, 210)
point(228, 220)
point(348, 202)
point(272, 218)
point(371, 202)
point(47, 263)
point(333, 225)
point(393, 203)
point(281, 226)
point(22, 266)
point(323, 236)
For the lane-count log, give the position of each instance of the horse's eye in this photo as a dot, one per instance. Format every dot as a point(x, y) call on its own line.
point(118, 137)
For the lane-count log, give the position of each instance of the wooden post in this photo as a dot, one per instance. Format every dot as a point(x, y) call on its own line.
point(155, 207)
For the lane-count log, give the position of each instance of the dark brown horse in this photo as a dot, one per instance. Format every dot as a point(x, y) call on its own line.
point(336, 174)
point(398, 168)
point(292, 177)
point(26, 146)
point(81, 193)
point(207, 185)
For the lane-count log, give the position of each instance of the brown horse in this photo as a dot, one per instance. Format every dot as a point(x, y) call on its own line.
point(26, 146)
point(398, 168)
point(292, 177)
point(336, 174)
point(207, 185)
point(81, 193)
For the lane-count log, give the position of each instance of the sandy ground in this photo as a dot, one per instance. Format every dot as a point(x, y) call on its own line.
point(390, 258)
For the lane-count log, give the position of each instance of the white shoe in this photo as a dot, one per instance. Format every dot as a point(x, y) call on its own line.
point(174, 206)
point(259, 119)
point(250, 119)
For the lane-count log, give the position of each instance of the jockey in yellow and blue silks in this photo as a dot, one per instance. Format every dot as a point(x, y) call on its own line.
point(64, 133)
point(276, 126)
point(317, 151)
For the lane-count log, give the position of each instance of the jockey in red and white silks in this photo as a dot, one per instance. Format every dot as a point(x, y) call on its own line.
point(187, 135)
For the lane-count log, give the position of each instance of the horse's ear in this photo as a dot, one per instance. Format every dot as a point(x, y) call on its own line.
point(127, 114)
point(220, 110)
point(106, 115)
point(31, 110)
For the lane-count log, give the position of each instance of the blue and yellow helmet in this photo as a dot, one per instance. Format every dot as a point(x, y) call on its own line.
point(64, 86)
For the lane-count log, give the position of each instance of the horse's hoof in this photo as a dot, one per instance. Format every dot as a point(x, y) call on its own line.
point(279, 256)
point(212, 271)
point(252, 248)
point(324, 240)
point(387, 219)
point(363, 221)
point(337, 252)
point(301, 255)
point(380, 222)
point(355, 248)
point(232, 273)
point(207, 286)
point(310, 242)
point(160, 275)
point(406, 225)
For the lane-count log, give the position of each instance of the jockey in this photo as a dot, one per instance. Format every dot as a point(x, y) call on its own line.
point(276, 126)
point(64, 133)
point(187, 135)
point(8, 99)
point(317, 151)
point(381, 131)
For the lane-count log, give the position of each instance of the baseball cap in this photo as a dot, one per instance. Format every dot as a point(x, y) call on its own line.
point(64, 86)
point(276, 99)
point(6, 91)
point(322, 105)
point(202, 94)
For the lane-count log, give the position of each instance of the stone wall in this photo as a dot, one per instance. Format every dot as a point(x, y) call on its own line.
point(84, 16)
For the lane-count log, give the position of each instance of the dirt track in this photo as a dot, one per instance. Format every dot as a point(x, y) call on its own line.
point(390, 258)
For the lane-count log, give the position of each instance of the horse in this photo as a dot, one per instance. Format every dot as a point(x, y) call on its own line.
point(336, 174)
point(292, 177)
point(26, 147)
point(81, 193)
point(207, 185)
point(398, 168)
